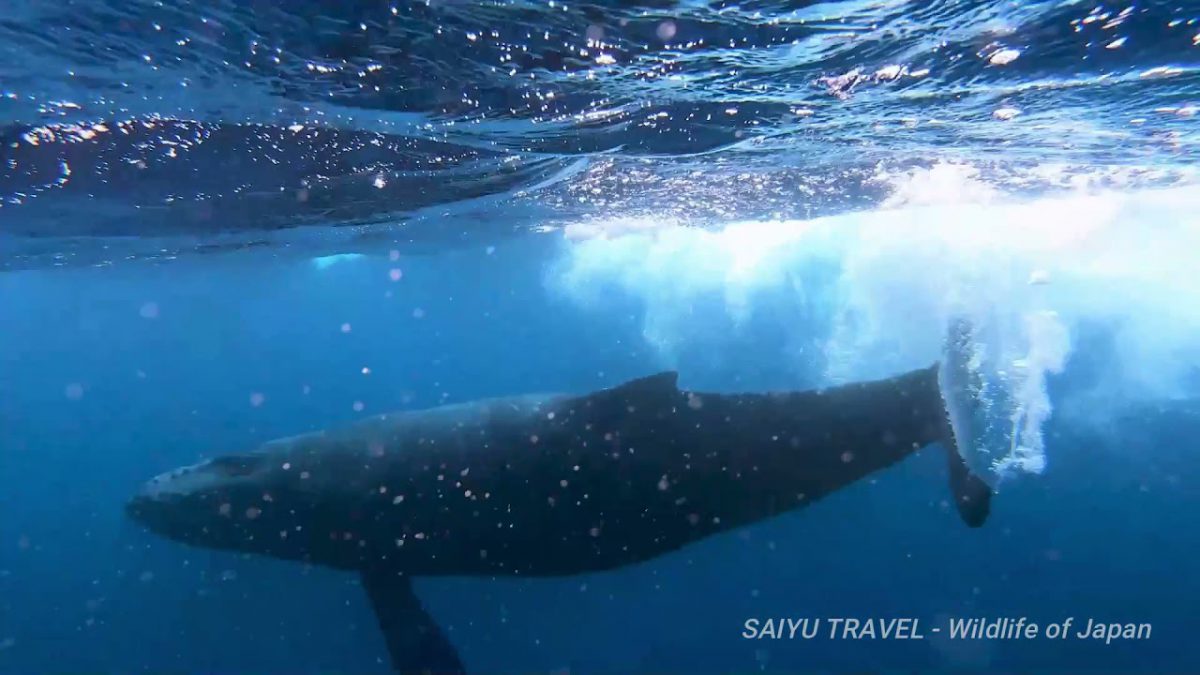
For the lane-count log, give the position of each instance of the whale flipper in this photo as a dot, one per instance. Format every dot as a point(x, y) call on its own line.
point(415, 642)
point(972, 495)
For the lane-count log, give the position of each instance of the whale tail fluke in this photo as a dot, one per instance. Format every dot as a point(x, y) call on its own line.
point(972, 495)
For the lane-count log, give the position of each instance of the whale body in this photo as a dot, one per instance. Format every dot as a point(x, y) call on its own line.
point(546, 485)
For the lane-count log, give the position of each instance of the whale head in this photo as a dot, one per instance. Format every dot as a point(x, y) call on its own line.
point(276, 501)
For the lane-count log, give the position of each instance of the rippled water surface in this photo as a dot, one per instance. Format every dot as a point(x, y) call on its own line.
point(228, 121)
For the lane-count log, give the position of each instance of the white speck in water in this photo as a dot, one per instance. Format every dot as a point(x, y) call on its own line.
point(257, 399)
point(228, 575)
point(395, 274)
point(1003, 57)
point(253, 512)
point(665, 31)
point(397, 499)
point(1005, 114)
point(1116, 44)
point(345, 328)
point(149, 310)
point(358, 406)
point(418, 313)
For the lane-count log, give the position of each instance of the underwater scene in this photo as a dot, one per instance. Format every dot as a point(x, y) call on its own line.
point(665, 336)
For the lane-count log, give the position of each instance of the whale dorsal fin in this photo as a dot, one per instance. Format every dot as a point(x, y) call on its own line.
point(414, 641)
point(659, 383)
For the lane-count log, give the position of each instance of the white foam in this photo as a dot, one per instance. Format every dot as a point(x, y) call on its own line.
point(325, 262)
point(1029, 274)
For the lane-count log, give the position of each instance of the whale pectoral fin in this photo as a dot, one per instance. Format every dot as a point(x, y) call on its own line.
point(415, 642)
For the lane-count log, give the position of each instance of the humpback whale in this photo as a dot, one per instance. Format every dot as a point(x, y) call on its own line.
point(547, 485)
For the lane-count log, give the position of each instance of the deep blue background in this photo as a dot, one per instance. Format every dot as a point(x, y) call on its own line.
point(1108, 531)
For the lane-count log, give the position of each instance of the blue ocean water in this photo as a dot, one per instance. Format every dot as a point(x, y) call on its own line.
point(224, 222)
